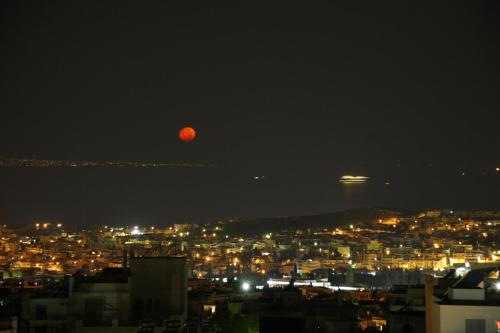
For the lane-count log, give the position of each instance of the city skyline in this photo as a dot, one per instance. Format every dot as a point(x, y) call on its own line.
point(373, 268)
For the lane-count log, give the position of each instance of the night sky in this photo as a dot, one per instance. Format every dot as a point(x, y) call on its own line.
point(300, 93)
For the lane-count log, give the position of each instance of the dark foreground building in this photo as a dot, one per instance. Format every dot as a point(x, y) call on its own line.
point(148, 296)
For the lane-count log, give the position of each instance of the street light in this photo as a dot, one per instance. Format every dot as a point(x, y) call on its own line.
point(245, 286)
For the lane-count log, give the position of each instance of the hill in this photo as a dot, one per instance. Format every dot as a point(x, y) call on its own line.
point(329, 220)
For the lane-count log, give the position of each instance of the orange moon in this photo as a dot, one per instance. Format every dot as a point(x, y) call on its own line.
point(187, 134)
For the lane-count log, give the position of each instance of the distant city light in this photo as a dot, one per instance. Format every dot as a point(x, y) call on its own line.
point(44, 163)
point(135, 231)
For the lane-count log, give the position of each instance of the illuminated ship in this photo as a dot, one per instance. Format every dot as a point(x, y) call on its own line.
point(348, 179)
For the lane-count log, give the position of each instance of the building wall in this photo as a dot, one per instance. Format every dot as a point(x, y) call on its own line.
point(115, 298)
point(436, 315)
point(159, 284)
point(452, 317)
point(406, 322)
point(56, 308)
point(467, 294)
point(306, 266)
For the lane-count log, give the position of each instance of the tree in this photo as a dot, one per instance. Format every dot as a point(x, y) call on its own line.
point(237, 323)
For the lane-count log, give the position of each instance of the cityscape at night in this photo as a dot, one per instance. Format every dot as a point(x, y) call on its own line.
point(373, 260)
point(249, 167)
